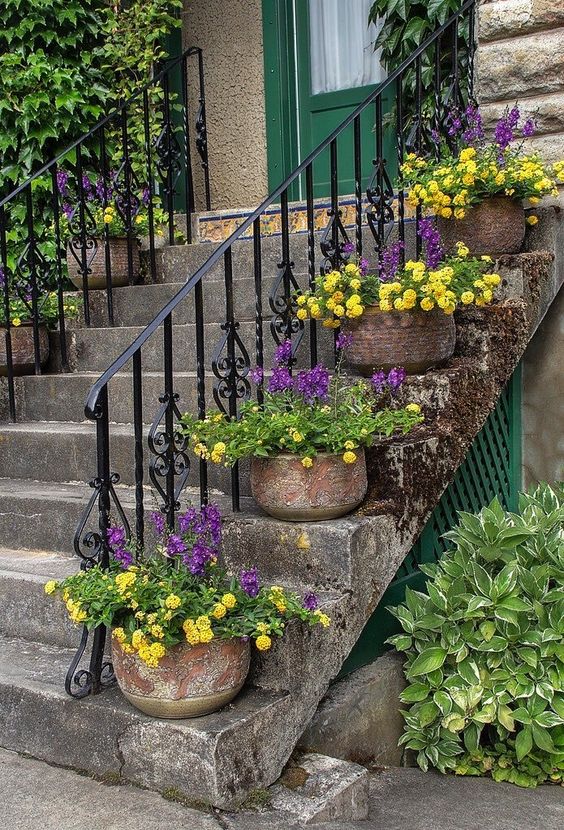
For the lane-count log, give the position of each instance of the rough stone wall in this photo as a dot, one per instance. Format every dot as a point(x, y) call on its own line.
point(230, 33)
point(521, 57)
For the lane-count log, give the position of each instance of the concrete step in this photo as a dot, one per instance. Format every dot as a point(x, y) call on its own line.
point(94, 349)
point(213, 759)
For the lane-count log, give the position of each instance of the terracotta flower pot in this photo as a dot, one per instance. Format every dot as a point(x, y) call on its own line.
point(96, 262)
point(190, 680)
point(23, 353)
point(287, 490)
point(416, 340)
point(494, 227)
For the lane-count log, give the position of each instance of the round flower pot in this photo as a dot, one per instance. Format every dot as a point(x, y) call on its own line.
point(23, 352)
point(494, 227)
point(416, 340)
point(96, 262)
point(189, 681)
point(287, 490)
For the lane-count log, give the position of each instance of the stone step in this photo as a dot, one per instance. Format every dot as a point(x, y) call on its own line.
point(40, 517)
point(214, 759)
point(94, 349)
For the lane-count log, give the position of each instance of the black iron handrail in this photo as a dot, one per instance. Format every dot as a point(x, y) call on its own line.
point(169, 465)
point(148, 137)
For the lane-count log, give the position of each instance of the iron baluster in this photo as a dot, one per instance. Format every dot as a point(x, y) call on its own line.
point(418, 136)
point(257, 269)
point(471, 50)
point(202, 130)
point(439, 121)
point(33, 288)
point(5, 280)
point(150, 187)
point(201, 379)
point(380, 192)
point(59, 267)
point(138, 440)
point(167, 443)
point(107, 257)
point(188, 181)
point(284, 325)
point(335, 237)
point(84, 241)
point(400, 149)
point(131, 202)
point(358, 186)
point(311, 261)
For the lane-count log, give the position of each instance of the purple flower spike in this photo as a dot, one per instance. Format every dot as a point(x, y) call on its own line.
point(529, 128)
point(280, 380)
point(344, 341)
point(249, 582)
point(310, 602)
point(434, 251)
point(364, 265)
point(283, 353)
point(257, 375)
point(158, 522)
point(174, 545)
point(395, 378)
point(117, 540)
point(62, 180)
point(379, 382)
point(390, 261)
point(348, 248)
point(313, 385)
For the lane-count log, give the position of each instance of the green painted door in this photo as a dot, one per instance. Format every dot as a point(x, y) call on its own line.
point(318, 59)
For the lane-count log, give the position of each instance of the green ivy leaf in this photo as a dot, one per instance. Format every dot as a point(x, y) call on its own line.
point(523, 743)
point(429, 660)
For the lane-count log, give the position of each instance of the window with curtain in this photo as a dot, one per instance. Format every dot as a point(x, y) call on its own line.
point(342, 45)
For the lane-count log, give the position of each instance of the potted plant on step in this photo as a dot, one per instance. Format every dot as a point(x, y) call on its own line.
point(181, 627)
point(104, 213)
point(306, 442)
point(476, 187)
point(21, 325)
point(403, 314)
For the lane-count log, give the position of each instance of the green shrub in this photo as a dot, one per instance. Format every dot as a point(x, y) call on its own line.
point(485, 648)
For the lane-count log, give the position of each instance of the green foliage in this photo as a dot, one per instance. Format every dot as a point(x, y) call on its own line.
point(47, 305)
point(51, 87)
point(484, 646)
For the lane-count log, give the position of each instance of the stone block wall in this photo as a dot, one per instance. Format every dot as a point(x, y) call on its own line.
point(521, 57)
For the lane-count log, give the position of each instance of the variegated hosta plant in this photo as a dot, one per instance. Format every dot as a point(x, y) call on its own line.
point(485, 647)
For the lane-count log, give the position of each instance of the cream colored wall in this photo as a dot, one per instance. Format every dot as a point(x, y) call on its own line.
point(520, 58)
point(230, 34)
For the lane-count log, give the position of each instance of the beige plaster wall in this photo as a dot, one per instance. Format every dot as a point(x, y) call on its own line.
point(230, 34)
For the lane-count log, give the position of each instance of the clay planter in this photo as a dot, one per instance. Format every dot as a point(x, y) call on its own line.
point(287, 490)
point(23, 353)
point(416, 340)
point(494, 227)
point(190, 680)
point(96, 262)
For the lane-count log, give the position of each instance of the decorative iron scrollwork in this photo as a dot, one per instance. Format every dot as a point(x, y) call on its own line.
point(380, 195)
point(83, 243)
point(202, 133)
point(89, 545)
point(231, 365)
point(80, 683)
point(125, 189)
point(168, 155)
point(170, 452)
point(334, 243)
point(284, 325)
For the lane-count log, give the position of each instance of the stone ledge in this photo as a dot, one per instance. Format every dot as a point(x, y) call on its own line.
point(547, 110)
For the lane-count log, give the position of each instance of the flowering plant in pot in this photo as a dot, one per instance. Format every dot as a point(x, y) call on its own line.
point(476, 186)
point(106, 214)
point(306, 442)
point(182, 628)
point(402, 315)
point(20, 307)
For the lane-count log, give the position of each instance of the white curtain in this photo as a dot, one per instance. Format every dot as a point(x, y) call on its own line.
point(342, 45)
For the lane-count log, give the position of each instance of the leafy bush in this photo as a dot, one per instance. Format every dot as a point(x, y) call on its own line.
point(485, 650)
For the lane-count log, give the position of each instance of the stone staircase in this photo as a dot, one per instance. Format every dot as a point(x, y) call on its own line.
point(45, 457)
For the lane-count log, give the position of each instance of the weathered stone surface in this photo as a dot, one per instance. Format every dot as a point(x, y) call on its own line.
point(512, 18)
point(316, 788)
point(358, 719)
point(527, 66)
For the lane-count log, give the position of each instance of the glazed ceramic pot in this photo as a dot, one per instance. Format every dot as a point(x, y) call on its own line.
point(96, 262)
point(287, 490)
point(23, 352)
point(494, 227)
point(416, 340)
point(189, 681)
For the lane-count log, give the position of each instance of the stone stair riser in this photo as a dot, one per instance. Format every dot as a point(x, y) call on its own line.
point(27, 612)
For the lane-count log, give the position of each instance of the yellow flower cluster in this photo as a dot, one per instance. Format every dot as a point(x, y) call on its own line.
point(450, 186)
point(75, 611)
point(109, 213)
point(441, 288)
point(322, 618)
point(124, 581)
point(173, 601)
point(277, 598)
point(336, 294)
point(198, 630)
point(218, 452)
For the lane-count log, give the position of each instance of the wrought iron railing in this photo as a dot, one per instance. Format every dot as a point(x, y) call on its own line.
point(375, 218)
point(133, 168)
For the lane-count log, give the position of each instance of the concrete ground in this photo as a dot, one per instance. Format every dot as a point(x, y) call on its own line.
point(36, 796)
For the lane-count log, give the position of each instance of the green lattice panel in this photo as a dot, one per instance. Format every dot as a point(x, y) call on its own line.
point(492, 467)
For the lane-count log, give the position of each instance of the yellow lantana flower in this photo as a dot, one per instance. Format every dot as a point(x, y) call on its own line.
point(263, 642)
point(349, 457)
